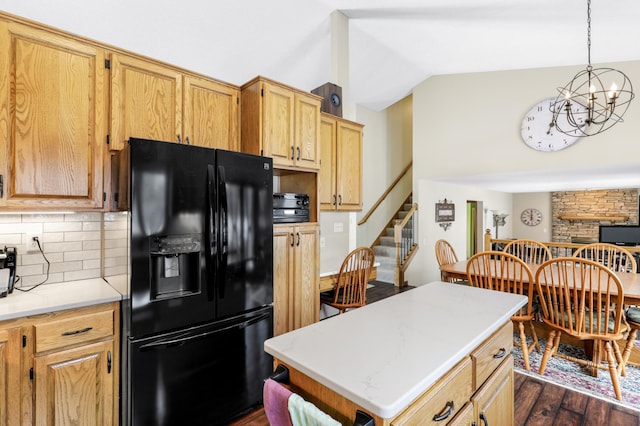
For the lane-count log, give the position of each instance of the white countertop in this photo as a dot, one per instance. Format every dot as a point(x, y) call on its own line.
point(57, 297)
point(382, 356)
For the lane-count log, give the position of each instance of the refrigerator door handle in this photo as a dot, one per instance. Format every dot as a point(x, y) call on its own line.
point(212, 226)
point(222, 226)
point(184, 339)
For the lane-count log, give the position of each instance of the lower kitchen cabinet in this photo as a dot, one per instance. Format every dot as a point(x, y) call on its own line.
point(10, 375)
point(61, 367)
point(296, 298)
point(493, 403)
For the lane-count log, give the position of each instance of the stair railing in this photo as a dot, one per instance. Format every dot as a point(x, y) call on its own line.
point(386, 193)
point(405, 233)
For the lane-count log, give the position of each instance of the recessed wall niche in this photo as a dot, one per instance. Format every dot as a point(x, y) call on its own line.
point(604, 202)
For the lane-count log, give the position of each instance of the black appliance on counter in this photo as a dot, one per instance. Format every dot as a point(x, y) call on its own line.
point(290, 208)
point(200, 285)
point(7, 270)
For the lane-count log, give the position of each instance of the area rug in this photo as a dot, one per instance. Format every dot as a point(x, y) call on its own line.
point(573, 376)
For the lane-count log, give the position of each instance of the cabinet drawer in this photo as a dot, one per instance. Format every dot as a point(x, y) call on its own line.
point(450, 393)
point(70, 331)
point(488, 356)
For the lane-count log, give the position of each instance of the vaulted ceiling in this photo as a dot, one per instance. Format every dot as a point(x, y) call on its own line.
point(393, 44)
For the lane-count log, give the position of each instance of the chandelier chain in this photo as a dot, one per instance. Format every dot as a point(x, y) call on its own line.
point(589, 32)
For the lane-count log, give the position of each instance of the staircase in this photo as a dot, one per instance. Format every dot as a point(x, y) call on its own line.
point(385, 247)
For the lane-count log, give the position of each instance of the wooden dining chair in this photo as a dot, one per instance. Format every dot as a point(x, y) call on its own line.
point(530, 251)
point(351, 286)
point(445, 255)
point(617, 259)
point(497, 270)
point(583, 299)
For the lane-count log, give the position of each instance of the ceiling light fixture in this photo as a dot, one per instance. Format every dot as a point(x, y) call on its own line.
point(585, 106)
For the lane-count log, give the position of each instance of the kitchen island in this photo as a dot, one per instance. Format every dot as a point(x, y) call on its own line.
point(439, 351)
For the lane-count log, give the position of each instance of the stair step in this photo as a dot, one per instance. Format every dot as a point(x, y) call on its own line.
point(387, 241)
point(385, 276)
point(381, 251)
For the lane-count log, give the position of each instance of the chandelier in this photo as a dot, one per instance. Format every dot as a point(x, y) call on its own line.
point(594, 100)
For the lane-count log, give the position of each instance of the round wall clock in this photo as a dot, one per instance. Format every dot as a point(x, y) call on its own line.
point(531, 217)
point(539, 133)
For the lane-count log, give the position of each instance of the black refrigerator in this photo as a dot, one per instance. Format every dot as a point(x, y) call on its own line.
point(200, 282)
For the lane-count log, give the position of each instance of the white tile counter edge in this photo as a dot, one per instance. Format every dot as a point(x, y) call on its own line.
point(56, 297)
point(386, 354)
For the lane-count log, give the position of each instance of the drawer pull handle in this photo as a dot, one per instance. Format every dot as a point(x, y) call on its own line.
point(72, 333)
point(449, 410)
point(501, 353)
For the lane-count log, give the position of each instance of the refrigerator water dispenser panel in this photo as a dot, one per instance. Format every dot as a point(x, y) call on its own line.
point(175, 266)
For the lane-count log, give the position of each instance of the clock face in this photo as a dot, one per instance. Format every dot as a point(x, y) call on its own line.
point(539, 133)
point(531, 217)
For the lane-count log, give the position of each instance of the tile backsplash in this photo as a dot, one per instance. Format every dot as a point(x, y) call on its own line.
point(73, 243)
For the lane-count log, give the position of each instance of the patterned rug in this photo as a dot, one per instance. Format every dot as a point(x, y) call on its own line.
point(574, 376)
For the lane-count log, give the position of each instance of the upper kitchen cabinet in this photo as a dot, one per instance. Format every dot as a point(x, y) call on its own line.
point(151, 100)
point(282, 123)
point(146, 101)
point(211, 114)
point(341, 170)
point(53, 119)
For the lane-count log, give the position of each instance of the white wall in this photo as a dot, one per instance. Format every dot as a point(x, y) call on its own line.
point(536, 200)
point(424, 268)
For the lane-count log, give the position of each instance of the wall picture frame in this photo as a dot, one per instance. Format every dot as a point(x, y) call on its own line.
point(445, 212)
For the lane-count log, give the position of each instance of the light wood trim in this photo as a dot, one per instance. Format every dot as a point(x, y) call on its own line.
point(612, 219)
point(384, 195)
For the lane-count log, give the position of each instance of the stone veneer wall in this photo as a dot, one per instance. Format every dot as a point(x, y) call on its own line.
point(596, 203)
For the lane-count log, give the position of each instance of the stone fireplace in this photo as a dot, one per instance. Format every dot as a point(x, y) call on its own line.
point(590, 206)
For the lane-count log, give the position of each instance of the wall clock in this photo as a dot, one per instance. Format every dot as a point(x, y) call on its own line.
point(539, 133)
point(531, 217)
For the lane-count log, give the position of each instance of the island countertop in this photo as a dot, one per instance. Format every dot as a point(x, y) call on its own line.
point(384, 355)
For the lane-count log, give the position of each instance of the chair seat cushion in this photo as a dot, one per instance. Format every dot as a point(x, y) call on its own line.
point(633, 315)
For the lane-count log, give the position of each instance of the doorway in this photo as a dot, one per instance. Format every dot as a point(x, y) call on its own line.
point(475, 223)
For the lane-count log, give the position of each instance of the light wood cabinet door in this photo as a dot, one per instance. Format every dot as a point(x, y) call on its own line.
point(211, 114)
point(283, 251)
point(327, 174)
point(52, 119)
point(277, 132)
point(306, 276)
point(341, 168)
point(75, 386)
point(307, 132)
point(296, 298)
point(349, 166)
point(10, 367)
point(146, 101)
point(493, 403)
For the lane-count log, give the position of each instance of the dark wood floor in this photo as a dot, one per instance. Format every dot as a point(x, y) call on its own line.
point(537, 402)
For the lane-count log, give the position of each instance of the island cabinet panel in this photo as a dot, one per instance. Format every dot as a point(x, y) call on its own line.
point(61, 367)
point(488, 356)
point(53, 115)
point(444, 400)
point(10, 345)
point(493, 403)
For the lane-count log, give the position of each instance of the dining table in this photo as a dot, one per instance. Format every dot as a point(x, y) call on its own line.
point(630, 281)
